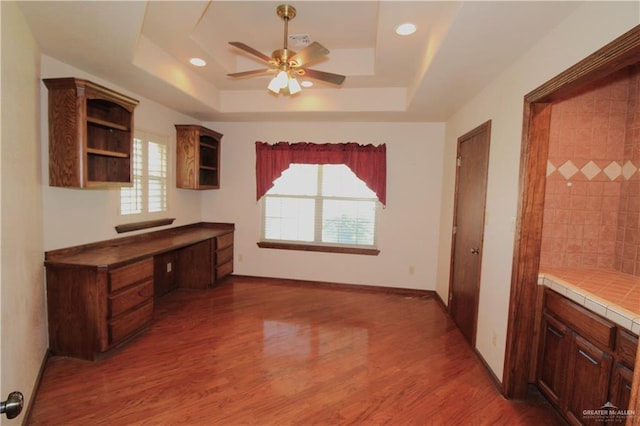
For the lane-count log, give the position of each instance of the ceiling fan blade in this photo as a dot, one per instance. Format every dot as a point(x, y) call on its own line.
point(250, 50)
point(309, 54)
point(324, 76)
point(250, 73)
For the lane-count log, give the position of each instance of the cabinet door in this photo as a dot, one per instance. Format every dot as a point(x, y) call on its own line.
point(587, 386)
point(195, 266)
point(620, 392)
point(552, 358)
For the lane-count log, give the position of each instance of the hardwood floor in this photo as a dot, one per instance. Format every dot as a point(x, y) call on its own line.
point(255, 352)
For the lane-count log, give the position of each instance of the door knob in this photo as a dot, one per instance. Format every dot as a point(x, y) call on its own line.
point(475, 251)
point(12, 407)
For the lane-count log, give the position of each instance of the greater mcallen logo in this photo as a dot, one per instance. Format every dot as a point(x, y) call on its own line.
point(608, 413)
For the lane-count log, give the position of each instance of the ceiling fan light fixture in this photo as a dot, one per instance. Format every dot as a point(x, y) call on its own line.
point(294, 86)
point(274, 85)
point(406, 29)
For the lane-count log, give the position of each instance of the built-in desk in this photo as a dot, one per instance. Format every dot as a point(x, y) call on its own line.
point(101, 294)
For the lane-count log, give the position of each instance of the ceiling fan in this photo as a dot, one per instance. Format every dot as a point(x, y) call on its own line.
point(287, 63)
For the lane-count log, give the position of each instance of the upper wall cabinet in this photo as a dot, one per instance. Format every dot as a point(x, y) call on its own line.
point(198, 157)
point(90, 134)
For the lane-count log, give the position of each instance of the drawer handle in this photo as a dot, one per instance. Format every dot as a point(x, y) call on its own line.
point(584, 354)
point(554, 331)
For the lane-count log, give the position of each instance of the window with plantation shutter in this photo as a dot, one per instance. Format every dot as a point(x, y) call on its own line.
point(149, 191)
point(320, 204)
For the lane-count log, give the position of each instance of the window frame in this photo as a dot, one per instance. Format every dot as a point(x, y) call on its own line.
point(145, 178)
point(317, 245)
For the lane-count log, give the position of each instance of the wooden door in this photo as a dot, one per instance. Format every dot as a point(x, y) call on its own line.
point(587, 381)
point(468, 228)
point(620, 392)
point(553, 348)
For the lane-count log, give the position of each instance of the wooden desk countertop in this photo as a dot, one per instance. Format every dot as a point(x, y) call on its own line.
point(119, 251)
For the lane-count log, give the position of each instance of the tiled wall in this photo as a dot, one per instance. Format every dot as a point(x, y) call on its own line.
point(628, 232)
point(592, 200)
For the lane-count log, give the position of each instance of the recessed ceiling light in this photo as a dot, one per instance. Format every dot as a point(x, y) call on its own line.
point(406, 29)
point(198, 62)
point(306, 83)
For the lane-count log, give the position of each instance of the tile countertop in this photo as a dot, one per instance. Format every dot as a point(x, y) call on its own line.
point(612, 294)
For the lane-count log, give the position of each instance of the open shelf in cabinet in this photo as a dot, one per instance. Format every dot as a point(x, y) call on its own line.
point(198, 157)
point(90, 134)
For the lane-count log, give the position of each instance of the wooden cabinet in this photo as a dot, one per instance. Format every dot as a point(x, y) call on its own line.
point(197, 157)
point(214, 260)
point(130, 300)
point(90, 134)
point(93, 309)
point(584, 360)
point(552, 358)
point(587, 380)
point(194, 267)
point(101, 294)
point(223, 256)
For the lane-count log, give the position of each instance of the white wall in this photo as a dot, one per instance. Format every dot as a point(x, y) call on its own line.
point(79, 216)
point(408, 226)
point(590, 27)
point(24, 327)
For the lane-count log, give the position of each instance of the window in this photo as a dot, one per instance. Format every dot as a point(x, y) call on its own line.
point(149, 191)
point(320, 205)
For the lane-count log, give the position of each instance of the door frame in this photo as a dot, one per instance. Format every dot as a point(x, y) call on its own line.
point(620, 53)
point(484, 127)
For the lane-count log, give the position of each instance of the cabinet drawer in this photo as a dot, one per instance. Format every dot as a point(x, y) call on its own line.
point(591, 326)
point(127, 324)
point(224, 270)
point(224, 241)
point(130, 297)
point(626, 346)
point(224, 255)
point(130, 274)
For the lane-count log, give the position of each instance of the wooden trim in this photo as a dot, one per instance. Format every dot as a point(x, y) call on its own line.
point(526, 254)
point(26, 418)
point(408, 292)
point(324, 249)
point(128, 227)
point(620, 53)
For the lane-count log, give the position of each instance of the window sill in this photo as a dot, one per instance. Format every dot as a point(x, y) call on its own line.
point(325, 249)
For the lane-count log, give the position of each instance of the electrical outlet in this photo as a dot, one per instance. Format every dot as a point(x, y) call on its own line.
point(412, 269)
point(494, 339)
point(169, 267)
point(240, 257)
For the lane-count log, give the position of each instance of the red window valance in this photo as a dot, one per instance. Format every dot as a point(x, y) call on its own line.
point(368, 162)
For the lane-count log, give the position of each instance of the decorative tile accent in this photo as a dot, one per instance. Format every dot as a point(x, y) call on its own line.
point(568, 169)
point(613, 170)
point(590, 170)
point(628, 170)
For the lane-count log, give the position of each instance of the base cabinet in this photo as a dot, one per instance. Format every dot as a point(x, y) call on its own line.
point(100, 295)
point(584, 361)
point(92, 310)
point(587, 380)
